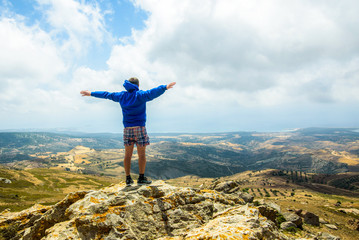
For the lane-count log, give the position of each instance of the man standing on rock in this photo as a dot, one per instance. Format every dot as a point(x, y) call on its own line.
point(133, 104)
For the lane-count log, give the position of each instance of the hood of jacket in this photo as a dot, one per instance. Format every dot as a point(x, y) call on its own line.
point(130, 87)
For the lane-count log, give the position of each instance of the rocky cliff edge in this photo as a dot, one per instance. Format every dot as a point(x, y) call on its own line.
point(158, 211)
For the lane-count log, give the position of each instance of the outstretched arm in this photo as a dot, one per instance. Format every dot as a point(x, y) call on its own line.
point(156, 92)
point(102, 94)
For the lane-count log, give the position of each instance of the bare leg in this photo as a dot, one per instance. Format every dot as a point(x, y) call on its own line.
point(127, 160)
point(141, 151)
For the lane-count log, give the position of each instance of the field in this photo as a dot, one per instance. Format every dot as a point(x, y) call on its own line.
point(44, 186)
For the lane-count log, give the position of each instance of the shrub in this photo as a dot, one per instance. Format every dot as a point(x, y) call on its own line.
point(279, 219)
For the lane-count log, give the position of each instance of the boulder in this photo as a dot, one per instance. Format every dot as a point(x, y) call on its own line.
point(294, 218)
point(248, 198)
point(225, 186)
point(287, 225)
point(268, 212)
point(326, 236)
point(310, 218)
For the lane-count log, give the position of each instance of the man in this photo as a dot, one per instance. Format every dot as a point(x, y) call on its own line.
point(133, 104)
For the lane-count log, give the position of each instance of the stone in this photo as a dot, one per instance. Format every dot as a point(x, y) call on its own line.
point(310, 218)
point(349, 210)
point(225, 186)
point(241, 222)
point(268, 212)
point(5, 180)
point(248, 198)
point(294, 218)
point(287, 225)
point(322, 221)
point(331, 226)
point(326, 236)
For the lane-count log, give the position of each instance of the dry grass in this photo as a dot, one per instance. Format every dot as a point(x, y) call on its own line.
point(44, 186)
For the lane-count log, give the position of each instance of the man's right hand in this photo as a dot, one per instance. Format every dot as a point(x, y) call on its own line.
point(85, 93)
point(171, 85)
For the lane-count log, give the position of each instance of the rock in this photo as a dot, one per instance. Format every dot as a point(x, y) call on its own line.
point(294, 218)
point(158, 211)
point(4, 180)
point(225, 186)
point(298, 212)
point(331, 226)
point(268, 212)
point(322, 221)
point(54, 215)
point(349, 210)
point(23, 219)
point(310, 218)
point(287, 225)
point(242, 222)
point(354, 224)
point(273, 205)
point(327, 236)
point(248, 198)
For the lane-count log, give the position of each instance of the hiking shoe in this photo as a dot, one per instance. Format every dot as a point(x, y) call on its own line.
point(129, 182)
point(143, 181)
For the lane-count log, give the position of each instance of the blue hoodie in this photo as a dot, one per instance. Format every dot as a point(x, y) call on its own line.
point(133, 102)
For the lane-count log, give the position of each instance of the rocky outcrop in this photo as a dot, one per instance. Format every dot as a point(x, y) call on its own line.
point(158, 211)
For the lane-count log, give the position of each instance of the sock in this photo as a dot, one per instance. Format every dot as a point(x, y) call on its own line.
point(128, 177)
point(142, 176)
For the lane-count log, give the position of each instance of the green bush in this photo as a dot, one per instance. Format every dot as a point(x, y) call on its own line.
point(279, 219)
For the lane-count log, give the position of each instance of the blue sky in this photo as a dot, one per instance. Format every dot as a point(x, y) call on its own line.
point(264, 65)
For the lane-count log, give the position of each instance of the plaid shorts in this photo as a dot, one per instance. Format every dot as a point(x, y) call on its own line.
point(136, 135)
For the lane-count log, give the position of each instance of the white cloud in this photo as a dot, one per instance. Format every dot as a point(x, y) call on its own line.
point(36, 62)
point(258, 49)
point(82, 23)
point(27, 53)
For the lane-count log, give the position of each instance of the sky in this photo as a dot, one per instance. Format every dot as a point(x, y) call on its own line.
point(260, 65)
